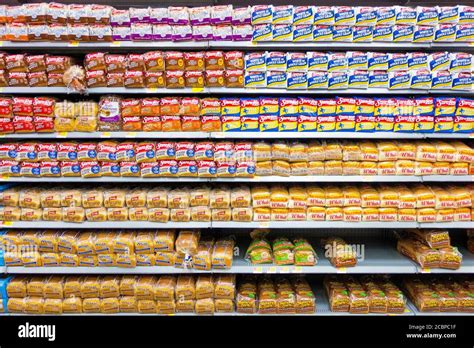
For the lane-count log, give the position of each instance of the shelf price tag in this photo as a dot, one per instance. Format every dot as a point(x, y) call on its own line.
point(7, 223)
point(2, 135)
point(1, 89)
point(341, 270)
point(105, 135)
point(1, 43)
point(73, 44)
point(218, 135)
point(5, 177)
point(131, 135)
point(297, 269)
point(197, 89)
point(264, 224)
point(284, 270)
point(116, 44)
point(151, 90)
point(272, 270)
point(425, 270)
point(258, 270)
point(61, 135)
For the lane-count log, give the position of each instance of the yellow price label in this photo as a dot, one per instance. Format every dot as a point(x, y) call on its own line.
point(131, 134)
point(152, 90)
point(1, 89)
point(341, 270)
point(73, 44)
point(197, 89)
point(2, 135)
point(425, 270)
point(264, 224)
point(105, 135)
point(272, 270)
point(62, 135)
point(5, 177)
point(1, 43)
point(298, 269)
point(7, 223)
point(258, 270)
point(116, 44)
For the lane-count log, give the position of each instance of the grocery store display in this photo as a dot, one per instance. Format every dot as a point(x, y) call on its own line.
point(185, 249)
point(356, 203)
point(207, 159)
point(287, 23)
point(430, 249)
point(339, 253)
point(274, 296)
point(365, 295)
point(121, 294)
point(360, 70)
point(234, 114)
point(440, 295)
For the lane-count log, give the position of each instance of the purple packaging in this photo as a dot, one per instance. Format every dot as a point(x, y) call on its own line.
point(242, 32)
point(202, 32)
point(182, 33)
point(162, 32)
point(241, 15)
point(159, 15)
point(121, 34)
point(141, 32)
point(139, 15)
point(200, 15)
point(221, 14)
point(222, 32)
point(178, 15)
point(120, 18)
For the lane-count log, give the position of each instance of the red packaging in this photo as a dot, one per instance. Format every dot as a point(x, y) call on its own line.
point(115, 80)
point(155, 79)
point(38, 79)
point(174, 60)
point(106, 151)
point(215, 78)
point(57, 64)
point(154, 61)
point(96, 79)
point(190, 106)
point(136, 62)
point(3, 78)
point(50, 168)
point(207, 168)
point(234, 78)
point(86, 152)
point(130, 107)
point(6, 107)
point(165, 150)
point(134, 79)
point(234, 60)
point(70, 169)
point(204, 151)
point(125, 151)
point(95, 61)
point(30, 169)
point(18, 79)
point(194, 79)
point(175, 79)
point(170, 106)
point(36, 63)
point(23, 124)
point(8, 151)
point(214, 60)
point(46, 152)
point(211, 123)
point(55, 80)
point(190, 123)
point(16, 63)
point(43, 106)
point(44, 124)
point(194, 61)
point(116, 63)
point(150, 107)
point(6, 125)
point(22, 106)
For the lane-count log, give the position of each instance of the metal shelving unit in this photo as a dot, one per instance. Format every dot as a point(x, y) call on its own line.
point(106, 225)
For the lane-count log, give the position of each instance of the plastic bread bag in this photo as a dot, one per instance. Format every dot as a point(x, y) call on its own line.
point(178, 198)
point(224, 287)
point(90, 287)
point(128, 304)
point(30, 198)
point(220, 197)
point(240, 197)
point(127, 285)
point(204, 287)
point(451, 258)
point(246, 299)
point(259, 250)
point(165, 288)
point(144, 287)
point(341, 254)
point(304, 253)
point(85, 243)
point(283, 251)
point(222, 253)
point(420, 253)
point(72, 286)
point(202, 258)
point(50, 198)
point(267, 296)
point(185, 288)
point(199, 196)
point(433, 238)
point(53, 306)
point(110, 286)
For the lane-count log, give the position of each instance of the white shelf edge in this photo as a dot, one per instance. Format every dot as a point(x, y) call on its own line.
point(355, 91)
point(106, 225)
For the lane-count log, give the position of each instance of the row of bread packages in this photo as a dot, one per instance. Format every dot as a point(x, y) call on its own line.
point(113, 294)
point(146, 151)
point(379, 151)
point(122, 249)
point(227, 14)
point(157, 169)
point(357, 60)
point(359, 79)
point(258, 196)
point(430, 294)
point(367, 294)
point(361, 34)
point(22, 32)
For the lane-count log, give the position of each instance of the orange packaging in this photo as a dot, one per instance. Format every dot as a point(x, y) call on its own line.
point(115, 80)
point(154, 61)
point(190, 123)
point(130, 107)
point(215, 78)
point(155, 79)
point(214, 60)
point(134, 79)
point(135, 62)
point(234, 78)
point(16, 32)
point(131, 123)
point(170, 106)
point(190, 106)
point(194, 61)
point(174, 60)
point(211, 124)
point(171, 123)
point(18, 79)
point(152, 123)
point(38, 79)
point(96, 79)
point(234, 60)
point(36, 63)
point(194, 79)
point(55, 80)
point(95, 61)
point(15, 63)
point(175, 79)
point(150, 107)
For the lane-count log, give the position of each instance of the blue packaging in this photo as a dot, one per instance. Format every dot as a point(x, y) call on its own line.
point(464, 33)
point(282, 32)
point(322, 33)
point(338, 80)
point(297, 80)
point(377, 61)
point(303, 32)
point(424, 106)
point(3, 286)
point(342, 33)
point(382, 33)
point(417, 60)
point(378, 79)
point(275, 61)
point(362, 34)
point(276, 79)
point(423, 34)
point(357, 60)
point(358, 79)
point(317, 61)
point(403, 33)
point(262, 32)
point(303, 15)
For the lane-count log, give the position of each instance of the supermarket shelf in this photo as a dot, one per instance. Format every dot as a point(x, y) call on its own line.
point(448, 178)
point(462, 224)
point(102, 90)
point(467, 265)
point(114, 45)
point(266, 91)
point(107, 224)
point(322, 45)
point(316, 135)
point(325, 178)
point(3, 269)
point(115, 135)
point(104, 179)
point(312, 224)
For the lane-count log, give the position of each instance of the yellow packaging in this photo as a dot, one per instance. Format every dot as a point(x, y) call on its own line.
point(316, 213)
point(334, 214)
point(53, 306)
point(127, 285)
point(316, 196)
point(34, 305)
point(72, 305)
point(110, 305)
point(426, 215)
point(352, 214)
point(388, 214)
point(407, 215)
point(35, 286)
point(72, 286)
point(370, 214)
point(91, 305)
point(386, 168)
point(128, 304)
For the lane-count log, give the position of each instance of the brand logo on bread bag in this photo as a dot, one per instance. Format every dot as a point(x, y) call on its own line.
point(424, 123)
point(303, 32)
point(287, 123)
point(465, 33)
point(362, 34)
point(341, 33)
point(8, 151)
point(303, 15)
point(445, 33)
point(307, 123)
point(322, 33)
point(444, 124)
point(463, 124)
